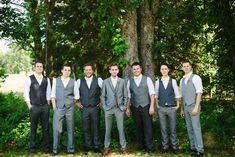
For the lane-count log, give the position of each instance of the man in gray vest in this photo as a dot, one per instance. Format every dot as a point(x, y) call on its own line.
point(114, 101)
point(64, 94)
point(141, 97)
point(166, 92)
point(191, 89)
point(37, 96)
point(89, 89)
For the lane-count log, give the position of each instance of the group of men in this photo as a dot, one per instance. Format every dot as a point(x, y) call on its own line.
point(117, 98)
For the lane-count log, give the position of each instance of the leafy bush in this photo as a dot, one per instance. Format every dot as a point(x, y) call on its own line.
point(13, 115)
point(217, 121)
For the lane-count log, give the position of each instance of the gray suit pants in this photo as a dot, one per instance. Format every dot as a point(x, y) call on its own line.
point(119, 115)
point(167, 117)
point(58, 117)
point(194, 128)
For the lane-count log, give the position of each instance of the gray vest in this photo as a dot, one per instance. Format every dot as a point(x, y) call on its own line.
point(139, 95)
point(166, 96)
point(189, 94)
point(64, 95)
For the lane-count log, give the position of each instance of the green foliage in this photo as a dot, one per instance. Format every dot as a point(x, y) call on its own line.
point(13, 121)
point(2, 75)
point(217, 121)
point(16, 61)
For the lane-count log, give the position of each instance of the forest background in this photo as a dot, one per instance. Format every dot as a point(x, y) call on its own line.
point(101, 31)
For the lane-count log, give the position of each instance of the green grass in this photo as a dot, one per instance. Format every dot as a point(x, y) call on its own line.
point(116, 153)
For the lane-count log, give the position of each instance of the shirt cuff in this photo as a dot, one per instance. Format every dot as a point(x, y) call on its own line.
point(26, 99)
point(177, 97)
point(199, 91)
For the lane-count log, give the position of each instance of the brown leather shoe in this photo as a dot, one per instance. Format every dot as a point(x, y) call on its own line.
point(106, 151)
point(124, 152)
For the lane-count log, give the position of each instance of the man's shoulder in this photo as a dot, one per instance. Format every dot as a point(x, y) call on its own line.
point(195, 76)
point(106, 80)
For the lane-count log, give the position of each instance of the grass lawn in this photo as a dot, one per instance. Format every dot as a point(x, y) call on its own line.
point(116, 153)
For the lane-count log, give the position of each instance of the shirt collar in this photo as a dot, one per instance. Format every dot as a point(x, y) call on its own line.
point(188, 75)
point(40, 76)
point(138, 77)
point(88, 78)
point(165, 78)
point(64, 79)
point(114, 79)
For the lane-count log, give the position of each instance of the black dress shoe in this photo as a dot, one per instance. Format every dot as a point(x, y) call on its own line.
point(70, 153)
point(46, 151)
point(199, 154)
point(164, 150)
point(175, 151)
point(32, 151)
point(151, 152)
point(54, 153)
point(97, 150)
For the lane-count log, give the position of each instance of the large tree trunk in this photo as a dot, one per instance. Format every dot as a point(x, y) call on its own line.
point(130, 33)
point(50, 39)
point(36, 31)
point(147, 14)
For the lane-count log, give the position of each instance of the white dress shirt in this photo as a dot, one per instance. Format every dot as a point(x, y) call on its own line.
point(197, 82)
point(165, 82)
point(65, 82)
point(39, 80)
point(137, 82)
point(114, 81)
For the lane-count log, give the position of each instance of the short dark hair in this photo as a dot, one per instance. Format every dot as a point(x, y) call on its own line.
point(88, 64)
point(113, 64)
point(38, 61)
point(165, 65)
point(187, 61)
point(66, 65)
point(135, 64)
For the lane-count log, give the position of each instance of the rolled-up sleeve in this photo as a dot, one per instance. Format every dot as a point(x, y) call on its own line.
point(76, 91)
point(176, 88)
point(150, 86)
point(128, 89)
point(27, 89)
point(197, 82)
point(157, 88)
point(48, 90)
point(53, 89)
point(100, 82)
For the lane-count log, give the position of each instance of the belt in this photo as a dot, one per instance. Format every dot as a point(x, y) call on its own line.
point(39, 104)
point(169, 106)
point(90, 105)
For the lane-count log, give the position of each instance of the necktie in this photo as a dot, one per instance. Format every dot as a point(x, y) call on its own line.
point(114, 83)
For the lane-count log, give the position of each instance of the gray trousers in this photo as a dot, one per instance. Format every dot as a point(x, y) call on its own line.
point(194, 128)
point(58, 117)
point(119, 115)
point(167, 116)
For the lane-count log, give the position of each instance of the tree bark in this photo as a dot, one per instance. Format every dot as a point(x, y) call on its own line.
point(147, 14)
point(129, 27)
point(36, 31)
point(50, 39)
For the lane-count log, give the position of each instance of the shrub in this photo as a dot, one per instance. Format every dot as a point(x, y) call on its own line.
point(217, 121)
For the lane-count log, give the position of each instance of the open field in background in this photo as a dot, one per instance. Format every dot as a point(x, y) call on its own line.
point(14, 83)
